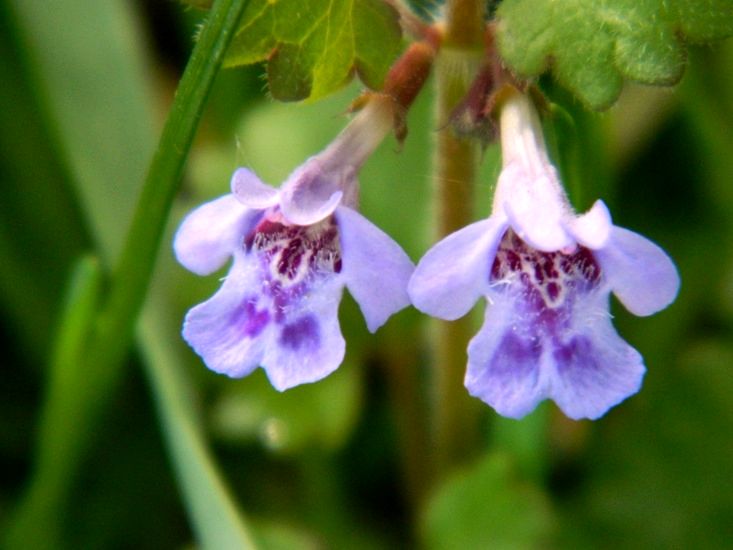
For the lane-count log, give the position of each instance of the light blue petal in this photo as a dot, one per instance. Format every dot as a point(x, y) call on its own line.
point(536, 206)
point(517, 359)
point(455, 272)
point(592, 368)
point(251, 191)
point(230, 330)
point(307, 344)
point(639, 272)
point(593, 228)
point(504, 360)
point(211, 233)
point(375, 268)
point(311, 194)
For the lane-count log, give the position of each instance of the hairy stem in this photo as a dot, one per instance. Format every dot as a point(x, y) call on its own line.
point(455, 420)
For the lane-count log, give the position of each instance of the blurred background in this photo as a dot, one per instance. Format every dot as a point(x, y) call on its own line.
point(85, 88)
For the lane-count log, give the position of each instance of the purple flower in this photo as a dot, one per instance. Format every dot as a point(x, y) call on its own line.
point(546, 274)
point(294, 250)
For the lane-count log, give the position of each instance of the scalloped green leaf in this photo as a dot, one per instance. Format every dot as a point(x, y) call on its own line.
point(314, 47)
point(591, 47)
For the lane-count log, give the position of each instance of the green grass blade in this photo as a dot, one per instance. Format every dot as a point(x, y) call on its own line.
point(214, 516)
point(37, 520)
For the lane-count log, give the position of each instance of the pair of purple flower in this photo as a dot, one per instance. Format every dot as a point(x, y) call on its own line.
point(545, 272)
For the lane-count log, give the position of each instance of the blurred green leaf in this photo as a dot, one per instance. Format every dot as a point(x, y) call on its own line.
point(486, 506)
point(593, 46)
point(525, 441)
point(104, 129)
point(66, 374)
point(322, 414)
point(271, 535)
point(92, 111)
point(98, 98)
point(312, 47)
point(214, 515)
point(38, 201)
point(657, 481)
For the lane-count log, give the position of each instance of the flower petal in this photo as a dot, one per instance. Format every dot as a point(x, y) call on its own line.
point(593, 228)
point(375, 268)
point(535, 205)
point(639, 272)
point(504, 361)
point(211, 233)
point(311, 193)
point(228, 331)
point(251, 191)
point(594, 370)
point(455, 272)
point(308, 344)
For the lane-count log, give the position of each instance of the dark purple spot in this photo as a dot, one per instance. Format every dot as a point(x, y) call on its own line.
point(516, 358)
point(283, 297)
point(249, 319)
point(577, 356)
point(553, 290)
point(302, 334)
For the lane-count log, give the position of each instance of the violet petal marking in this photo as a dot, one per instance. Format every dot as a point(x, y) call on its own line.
point(504, 358)
point(514, 373)
point(251, 320)
point(302, 334)
point(548, 280)
point(218, 328)
point(293, 253)
point(594, 370)
point(308, 344)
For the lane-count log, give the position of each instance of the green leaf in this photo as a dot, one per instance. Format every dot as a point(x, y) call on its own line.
point(313, 47)
point(592, 47)
point(486, 507)
point(101, 117)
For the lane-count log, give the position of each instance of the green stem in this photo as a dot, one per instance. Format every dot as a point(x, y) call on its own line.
point(134, 271)
point(401, 352)
point(455, 420)
point(101, 360)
